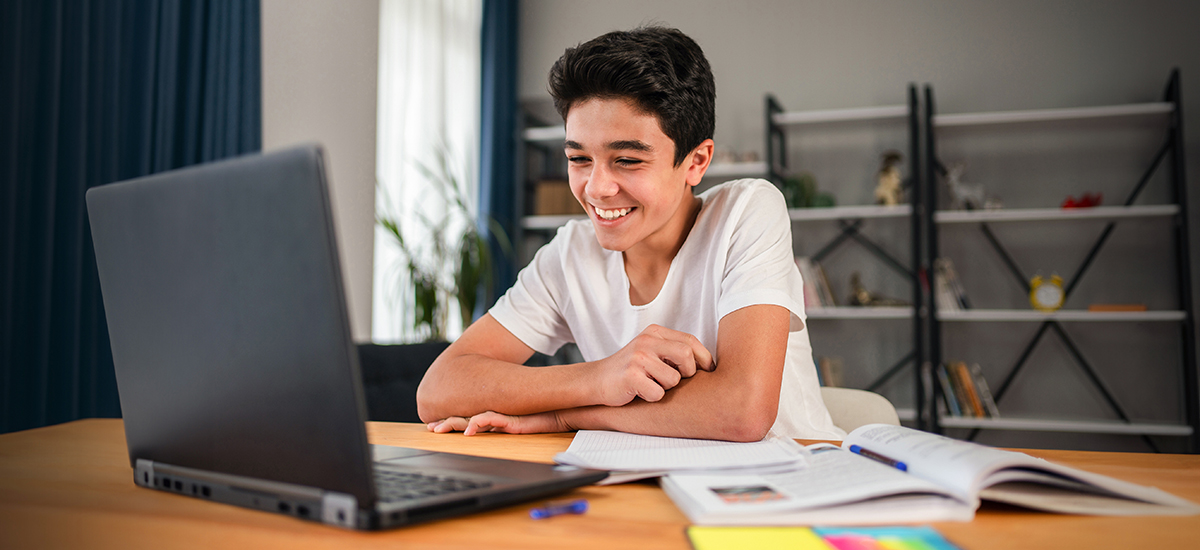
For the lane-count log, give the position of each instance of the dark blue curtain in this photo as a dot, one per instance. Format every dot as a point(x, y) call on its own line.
point(498, 131)
point(96, 91)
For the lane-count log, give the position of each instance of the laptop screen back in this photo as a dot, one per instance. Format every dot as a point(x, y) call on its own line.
point(224, 299)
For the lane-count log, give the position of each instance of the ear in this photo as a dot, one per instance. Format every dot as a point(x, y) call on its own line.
point(697, 162)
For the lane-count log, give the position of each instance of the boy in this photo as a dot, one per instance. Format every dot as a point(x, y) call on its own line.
point(652, 285)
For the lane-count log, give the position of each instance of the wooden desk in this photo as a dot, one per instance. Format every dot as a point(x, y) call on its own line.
point(71, 486)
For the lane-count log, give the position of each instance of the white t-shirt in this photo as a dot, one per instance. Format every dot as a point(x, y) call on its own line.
point(738, 254)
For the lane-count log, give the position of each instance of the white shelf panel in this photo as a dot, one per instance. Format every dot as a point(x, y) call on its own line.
point(795, 118)
point(1040, 115)
point(1055, 214)
point(549, 222)
point(797, 214)
point(991, 315)
point(729, 169)
point(849, 212)
point(853, 312)
point(1076, 426)
point(546, 133)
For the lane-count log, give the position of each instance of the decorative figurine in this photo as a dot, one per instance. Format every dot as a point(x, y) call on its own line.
point(890, 190)
point(860, 296)
point(963, 196)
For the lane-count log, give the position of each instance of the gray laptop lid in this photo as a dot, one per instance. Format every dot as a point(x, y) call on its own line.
point(222, 289)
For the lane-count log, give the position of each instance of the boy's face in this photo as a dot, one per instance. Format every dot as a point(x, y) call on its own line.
point(621, 168)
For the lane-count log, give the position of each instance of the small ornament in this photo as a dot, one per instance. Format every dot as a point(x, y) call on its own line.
point(1087, 200)
point(890, 190)
point(1046, 294)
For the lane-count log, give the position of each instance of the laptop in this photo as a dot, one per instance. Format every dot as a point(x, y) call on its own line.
point(238, 378)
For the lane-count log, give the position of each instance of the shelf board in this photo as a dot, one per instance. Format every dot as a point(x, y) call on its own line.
point(849, 212)
point(795, 118)
point(909, 415)
point(1041, 115)
point(1077, 426)
point(1055, 214)
point(1038, 115)
point(545, 134)
point(728, 169)
point(989, 315)
point(796, 214)
point(549, 222)
point(855, 312)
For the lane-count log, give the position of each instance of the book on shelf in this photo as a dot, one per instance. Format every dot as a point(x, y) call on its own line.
point(984, 391)
point(925, 477)
point(817, 292)
point(965, 391)
point(949, 294)
point(970, 393)
point(949, 394)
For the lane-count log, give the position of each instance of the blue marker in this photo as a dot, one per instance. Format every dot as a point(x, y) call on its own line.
point(876, 456)
point(558, 508)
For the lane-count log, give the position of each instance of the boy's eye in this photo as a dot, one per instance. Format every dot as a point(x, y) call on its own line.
point(628, 162)
point(576, 159)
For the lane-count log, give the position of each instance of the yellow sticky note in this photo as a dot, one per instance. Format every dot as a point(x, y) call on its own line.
point(754, 538)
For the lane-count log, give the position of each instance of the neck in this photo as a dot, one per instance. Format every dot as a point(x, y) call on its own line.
point(647, 266)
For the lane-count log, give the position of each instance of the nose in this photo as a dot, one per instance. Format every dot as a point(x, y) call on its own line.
point(601, 183)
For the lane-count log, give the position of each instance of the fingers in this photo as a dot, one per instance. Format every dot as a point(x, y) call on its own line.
point(651, 389)
point(482, 422)
point(686, 353)
point(447, 425)
point(489, 421)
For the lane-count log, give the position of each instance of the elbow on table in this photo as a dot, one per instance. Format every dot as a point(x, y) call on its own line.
point(747, 425)
point(429, 408)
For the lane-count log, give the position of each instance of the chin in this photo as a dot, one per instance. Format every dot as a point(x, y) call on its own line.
point(615, 245)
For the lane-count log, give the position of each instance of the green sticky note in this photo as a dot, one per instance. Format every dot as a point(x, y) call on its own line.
point(754, 538)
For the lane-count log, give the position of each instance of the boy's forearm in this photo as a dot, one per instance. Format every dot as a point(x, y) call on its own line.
point(703, 407)
point(471, 384)
point(736, 402)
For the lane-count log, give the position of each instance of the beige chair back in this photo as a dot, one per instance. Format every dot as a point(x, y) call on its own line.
point(850, 408)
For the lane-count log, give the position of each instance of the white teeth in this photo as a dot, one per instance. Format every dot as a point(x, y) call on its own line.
point(612, 214)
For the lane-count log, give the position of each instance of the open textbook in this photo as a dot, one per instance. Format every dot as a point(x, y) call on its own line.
point(945, 479)
point(632, 456)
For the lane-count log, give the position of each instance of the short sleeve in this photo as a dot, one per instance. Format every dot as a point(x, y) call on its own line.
point(531, 309)
point(760, 267)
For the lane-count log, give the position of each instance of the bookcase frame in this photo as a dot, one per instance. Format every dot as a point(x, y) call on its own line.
point(1171, 155)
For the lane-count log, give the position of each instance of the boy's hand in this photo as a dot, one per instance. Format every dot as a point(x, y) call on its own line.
point(495, 422)
point(649, 365)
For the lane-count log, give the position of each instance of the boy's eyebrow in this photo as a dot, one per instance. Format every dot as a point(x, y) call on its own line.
point(619, 145)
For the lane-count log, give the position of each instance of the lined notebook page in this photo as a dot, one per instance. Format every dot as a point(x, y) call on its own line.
point(622, 451)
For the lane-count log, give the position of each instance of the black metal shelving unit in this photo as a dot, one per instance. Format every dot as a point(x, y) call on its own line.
point(851, 220)
point(1173, 152)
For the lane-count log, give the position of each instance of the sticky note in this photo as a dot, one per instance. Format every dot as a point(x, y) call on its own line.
point(755, 538)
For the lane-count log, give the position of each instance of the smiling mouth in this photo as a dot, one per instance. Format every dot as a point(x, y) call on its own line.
point(610, 215)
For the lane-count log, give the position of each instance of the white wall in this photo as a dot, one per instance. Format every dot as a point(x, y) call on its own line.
point(978, 56)
point(320, 66)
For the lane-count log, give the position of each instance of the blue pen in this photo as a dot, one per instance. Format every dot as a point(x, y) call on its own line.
point(876, 456)
point(558, 508)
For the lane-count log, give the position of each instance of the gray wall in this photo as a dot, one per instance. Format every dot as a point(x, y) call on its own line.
point(978, 56)
point(320, 63)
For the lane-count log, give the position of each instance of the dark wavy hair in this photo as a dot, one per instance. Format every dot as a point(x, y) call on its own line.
point(661, 69)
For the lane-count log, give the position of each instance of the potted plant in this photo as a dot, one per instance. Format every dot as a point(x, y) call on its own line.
point(444, 267)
